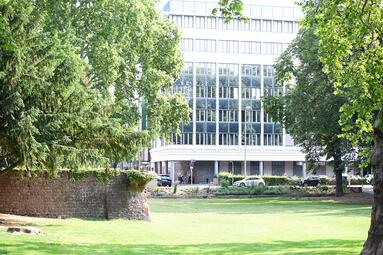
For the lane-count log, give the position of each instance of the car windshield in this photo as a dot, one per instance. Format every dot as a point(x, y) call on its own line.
point(166, 177)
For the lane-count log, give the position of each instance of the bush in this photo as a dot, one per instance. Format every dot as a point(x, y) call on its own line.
point(327, 181)
point(276, 180)
point(226, 177)
point(359, 181)
point(295, 180)
point(137, 180)
point(253, 190)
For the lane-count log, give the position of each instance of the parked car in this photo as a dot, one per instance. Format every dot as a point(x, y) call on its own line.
point(164, 180)
point(250, 181)
point(310, 181)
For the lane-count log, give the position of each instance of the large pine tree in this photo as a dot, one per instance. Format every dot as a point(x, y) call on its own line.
point(71, 76)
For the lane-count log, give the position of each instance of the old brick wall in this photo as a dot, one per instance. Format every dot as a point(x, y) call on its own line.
point(61, 197)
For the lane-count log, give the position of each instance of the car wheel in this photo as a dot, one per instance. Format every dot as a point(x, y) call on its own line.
point(261, 184)
point(242, 184)
point(318, 184)
point(305, 185)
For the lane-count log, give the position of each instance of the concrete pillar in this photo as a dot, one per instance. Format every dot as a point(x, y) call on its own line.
point(215, 168)
point(261, 168)
point(304, 169)
point(166, 167)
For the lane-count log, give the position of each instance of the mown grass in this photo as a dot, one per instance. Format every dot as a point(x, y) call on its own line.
point(212, 226)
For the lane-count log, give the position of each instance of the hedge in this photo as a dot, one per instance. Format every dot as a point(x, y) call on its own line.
point(226, 178)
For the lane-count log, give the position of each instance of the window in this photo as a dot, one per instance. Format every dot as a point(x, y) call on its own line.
point(266, 26)
point(187, 44)
point(255, 25)
point(250, 47)
point(200, 91)
point(177, 19)
point(245, 26)
point(221, 23)
point(210, 115)
point(227, 46)
point(200, 22)
point(210, 92)
point(211, 23)
point(289, 27)
point(272, 139)
point(277, 26)
point(270, 48)
point(200, 114)
point(188, 21)
point(228, 138)
point(204, 45)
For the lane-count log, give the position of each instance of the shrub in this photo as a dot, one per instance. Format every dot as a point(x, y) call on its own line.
point(226, 177)
point(275, 180)
point(295, 180)
point(359, 181)
point(137, 180)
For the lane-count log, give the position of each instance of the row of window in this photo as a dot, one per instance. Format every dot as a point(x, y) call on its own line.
point(226, 139)
point(204, 69)
point(254, 25)
point(231, 116)
point(225, 92)
point(230, 46)
point(249, 10)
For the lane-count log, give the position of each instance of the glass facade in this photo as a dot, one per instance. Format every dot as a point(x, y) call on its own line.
point(205, 103)
point(222, 105)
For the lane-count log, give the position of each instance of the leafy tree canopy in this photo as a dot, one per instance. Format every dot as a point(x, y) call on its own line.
point(309, 110)
point(72, 74)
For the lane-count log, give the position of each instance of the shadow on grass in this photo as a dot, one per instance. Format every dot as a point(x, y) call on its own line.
point(259, 206)
point(316, 247)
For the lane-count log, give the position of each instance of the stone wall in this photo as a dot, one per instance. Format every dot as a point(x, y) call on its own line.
point(61, 197)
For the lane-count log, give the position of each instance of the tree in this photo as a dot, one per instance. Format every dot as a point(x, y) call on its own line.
point(71, 76)
point(351, 48)
point(230, 9)
point(310, 110)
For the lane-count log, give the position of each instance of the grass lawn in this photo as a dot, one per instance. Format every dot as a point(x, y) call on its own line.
point(212, 226)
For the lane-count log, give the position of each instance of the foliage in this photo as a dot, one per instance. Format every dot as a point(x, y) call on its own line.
point(310, 110)
point(230, 9)
point(71, 76)
point(137, 180)
point(351, 50)
point(275, 180)
point(225, 179)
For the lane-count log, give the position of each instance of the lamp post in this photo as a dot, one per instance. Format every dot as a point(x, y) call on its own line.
point(247, 108)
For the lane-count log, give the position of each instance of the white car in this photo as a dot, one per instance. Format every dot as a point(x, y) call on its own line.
point(250, 181)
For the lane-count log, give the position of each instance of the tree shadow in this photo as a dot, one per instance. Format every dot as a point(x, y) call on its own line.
point(260, 206)
point(313, 247)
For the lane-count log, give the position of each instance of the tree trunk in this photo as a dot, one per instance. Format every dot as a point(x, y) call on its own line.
point(374, 242)
point(338, 170)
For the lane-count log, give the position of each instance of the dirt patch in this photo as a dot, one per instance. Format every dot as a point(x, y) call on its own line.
point(15, 220)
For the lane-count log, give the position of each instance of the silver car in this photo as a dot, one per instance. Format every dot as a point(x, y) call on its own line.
point(250, 181)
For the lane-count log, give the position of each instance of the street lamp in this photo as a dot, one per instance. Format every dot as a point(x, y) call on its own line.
point(247, 108)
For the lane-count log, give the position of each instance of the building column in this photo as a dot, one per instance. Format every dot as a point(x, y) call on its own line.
point(304, 169)
point(172, 172)
point(166, 167)
point(216, 169)
point(261, 168)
